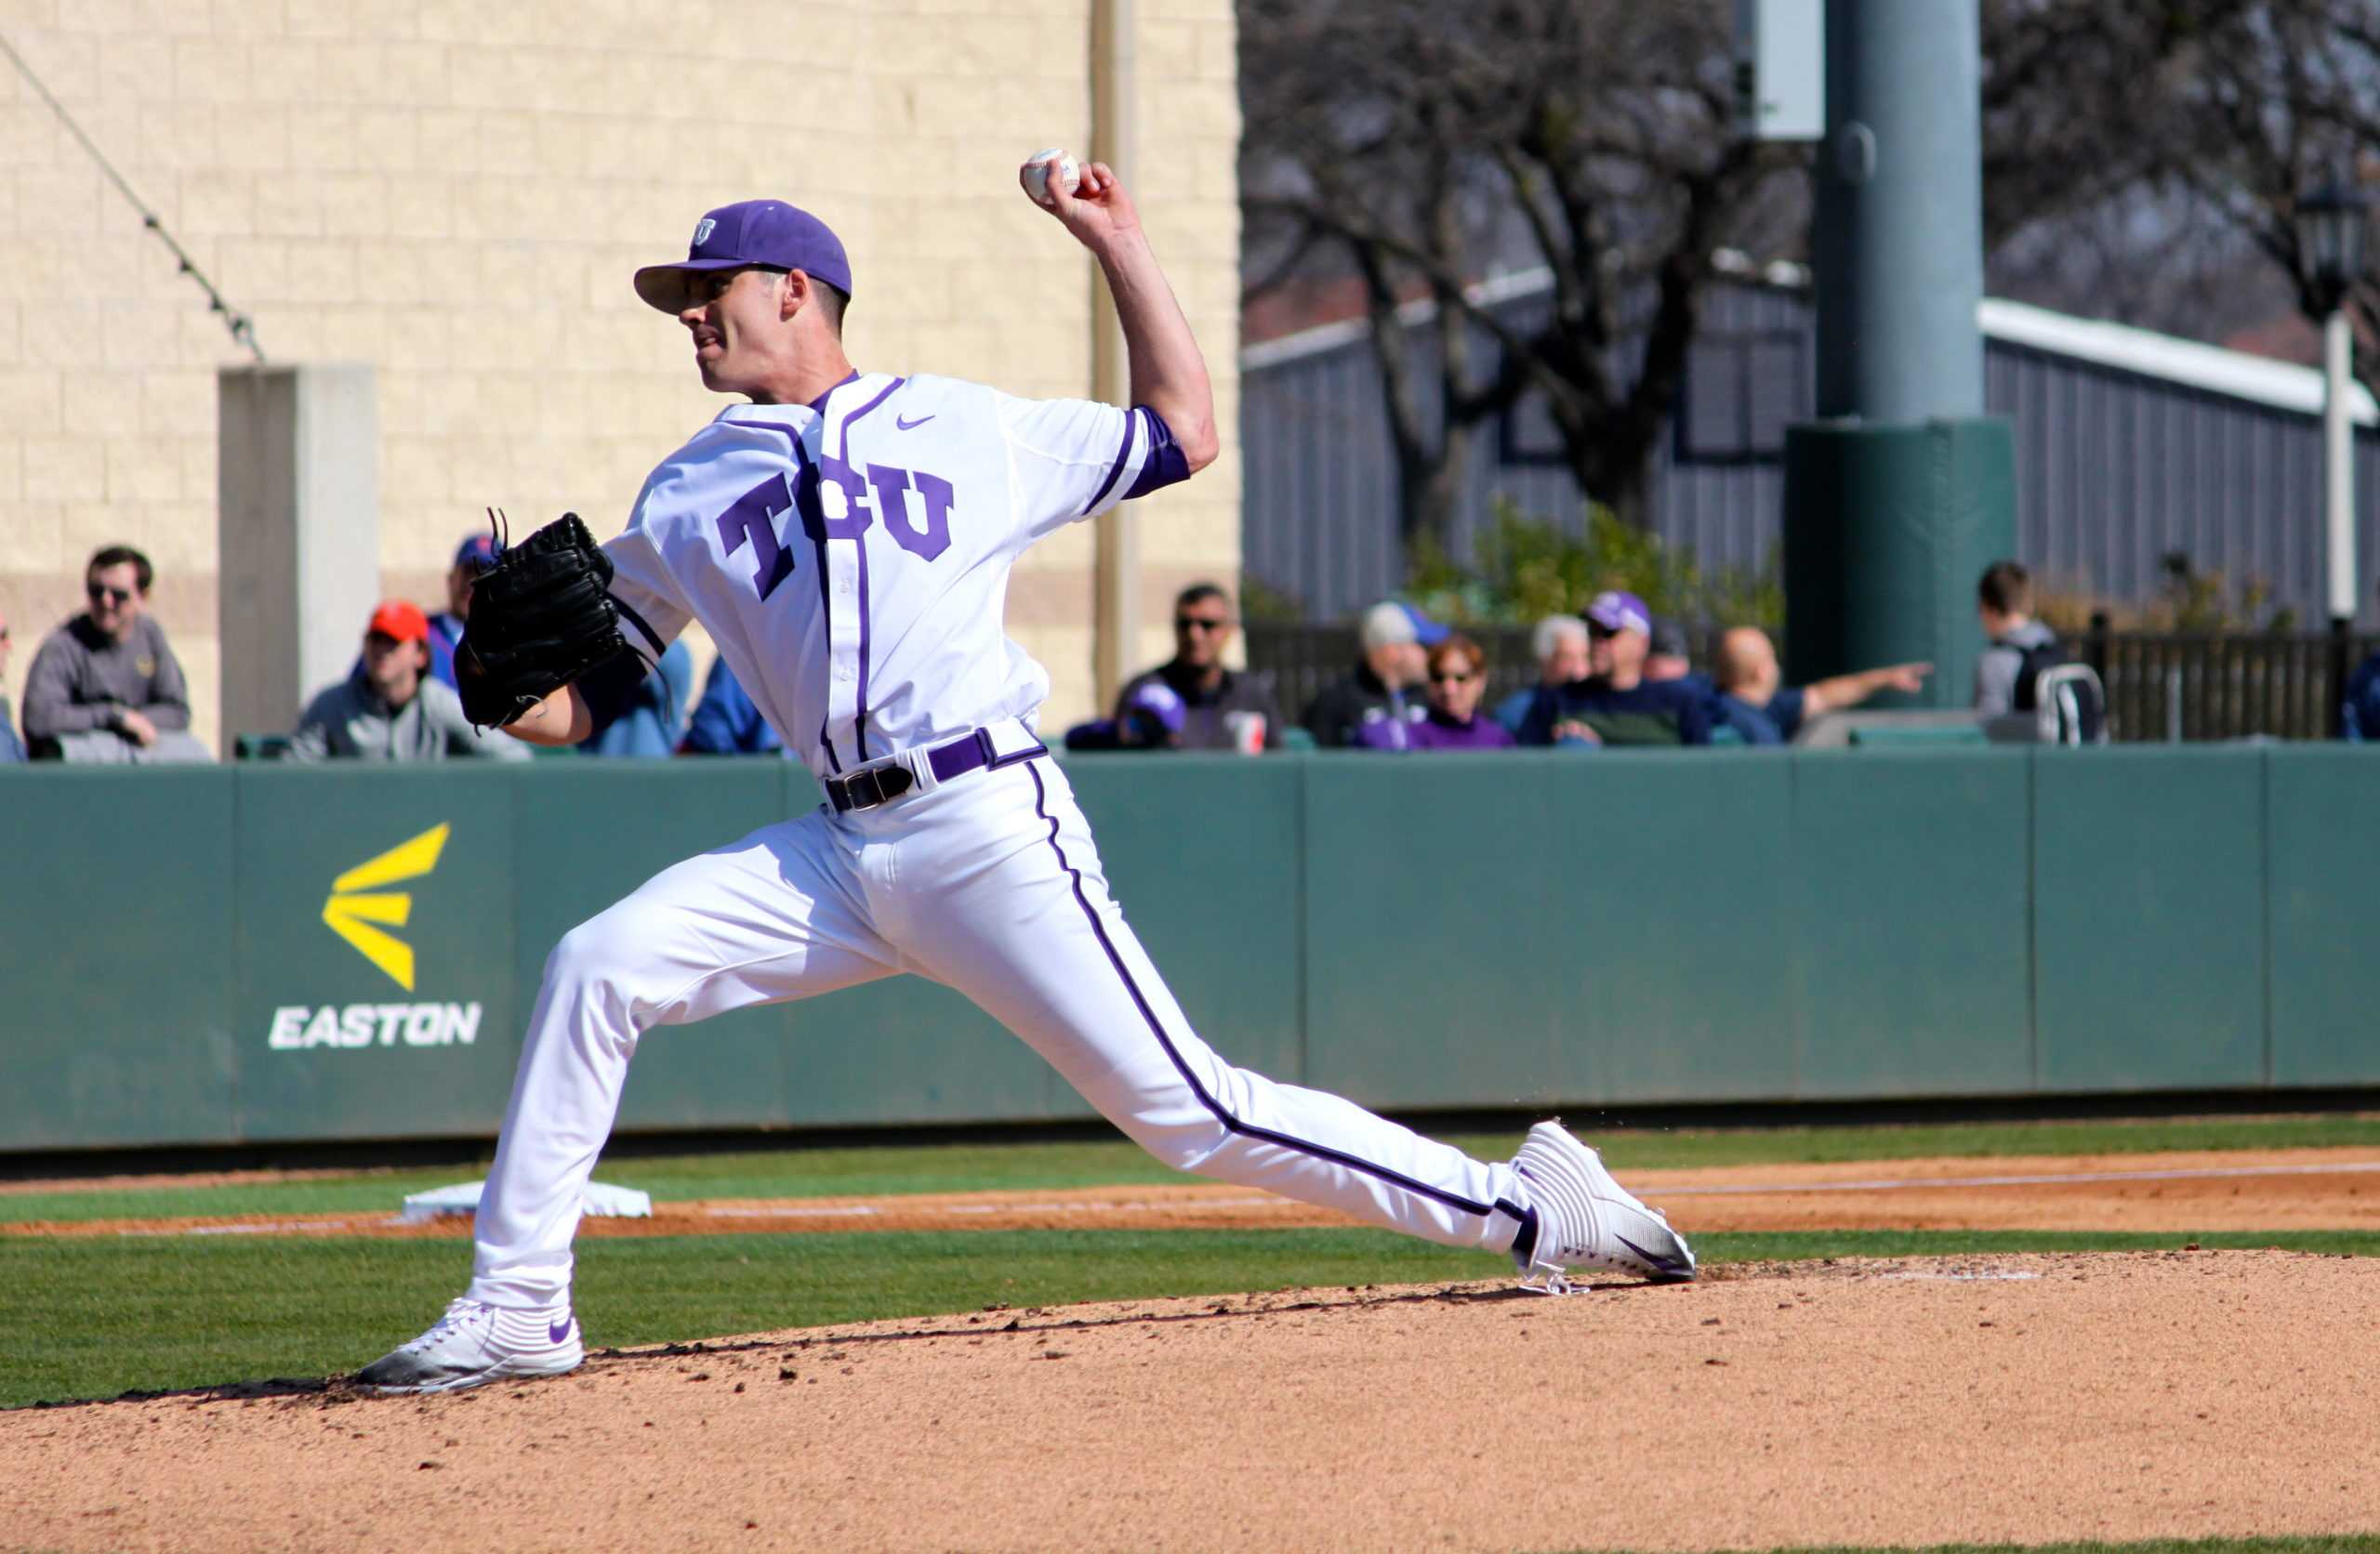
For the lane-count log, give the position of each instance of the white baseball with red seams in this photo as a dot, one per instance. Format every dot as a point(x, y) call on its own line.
point(1035, 174)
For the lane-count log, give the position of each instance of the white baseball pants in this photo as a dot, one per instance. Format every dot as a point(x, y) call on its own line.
point(992, 886)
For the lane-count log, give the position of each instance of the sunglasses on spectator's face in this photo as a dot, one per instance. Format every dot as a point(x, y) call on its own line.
point(100, 593)
point(1199, 622)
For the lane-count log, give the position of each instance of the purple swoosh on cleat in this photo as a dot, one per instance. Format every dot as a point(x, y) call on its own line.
point(1659, 1263)
point(557, 1331)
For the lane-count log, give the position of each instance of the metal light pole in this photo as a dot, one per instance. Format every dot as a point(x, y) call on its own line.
point(2331, 223)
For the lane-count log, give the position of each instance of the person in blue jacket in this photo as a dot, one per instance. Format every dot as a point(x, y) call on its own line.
point(655, 716)
point(725, 723)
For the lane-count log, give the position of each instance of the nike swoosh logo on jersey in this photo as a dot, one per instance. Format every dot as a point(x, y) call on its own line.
point(904, 424)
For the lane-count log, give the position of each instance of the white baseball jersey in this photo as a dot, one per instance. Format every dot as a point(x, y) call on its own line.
point(851, 556)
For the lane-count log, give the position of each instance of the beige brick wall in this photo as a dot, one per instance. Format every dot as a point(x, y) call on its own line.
point(456, 193)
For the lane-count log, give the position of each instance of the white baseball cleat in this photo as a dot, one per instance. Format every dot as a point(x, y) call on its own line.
point(475, 1343)
point(1586, 1220)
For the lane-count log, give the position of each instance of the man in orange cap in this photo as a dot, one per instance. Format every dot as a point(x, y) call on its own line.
point(390, 708)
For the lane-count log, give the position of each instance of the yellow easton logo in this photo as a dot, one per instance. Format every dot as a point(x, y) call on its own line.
point(357, 903)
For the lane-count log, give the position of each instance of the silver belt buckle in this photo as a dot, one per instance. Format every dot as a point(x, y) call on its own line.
point(878, 790)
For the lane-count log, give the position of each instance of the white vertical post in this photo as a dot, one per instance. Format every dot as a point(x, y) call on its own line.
point(1117, 581)
point(2338, 466)
point(297, 499)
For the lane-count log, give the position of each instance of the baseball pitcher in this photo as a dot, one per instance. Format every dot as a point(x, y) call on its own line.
point(846, 538)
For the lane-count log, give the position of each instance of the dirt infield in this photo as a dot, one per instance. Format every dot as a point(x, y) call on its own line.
point(2002, 1399)
point(2206, 1190)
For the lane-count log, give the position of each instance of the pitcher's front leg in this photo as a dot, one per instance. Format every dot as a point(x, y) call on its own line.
point(1037, 943)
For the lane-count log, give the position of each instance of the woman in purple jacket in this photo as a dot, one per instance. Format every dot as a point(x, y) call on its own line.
point(1458, 678)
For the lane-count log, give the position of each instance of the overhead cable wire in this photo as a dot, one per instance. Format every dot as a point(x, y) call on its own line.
point(243, 328)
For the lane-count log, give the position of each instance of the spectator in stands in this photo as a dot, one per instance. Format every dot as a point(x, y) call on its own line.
point(389, 709)
point(654, 719)
point(1668, 656)
point(725, 723)
point(1559, 644)
point(2359, 719)
point(2020, 647)
point(1754, 704)
point(106, 686)
point(476, 554)
point(1394, 638)
point(1221, 708)
point(11, 748)
point(1458, 677)
point(1616, 706)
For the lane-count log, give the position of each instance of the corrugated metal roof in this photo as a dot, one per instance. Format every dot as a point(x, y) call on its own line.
point(2240, 374)
point(2131, 445)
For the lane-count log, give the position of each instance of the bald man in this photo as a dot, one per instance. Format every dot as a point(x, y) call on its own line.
point(1753, 703)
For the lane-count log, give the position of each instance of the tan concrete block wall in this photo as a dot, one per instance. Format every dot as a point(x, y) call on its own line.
point(457, 194)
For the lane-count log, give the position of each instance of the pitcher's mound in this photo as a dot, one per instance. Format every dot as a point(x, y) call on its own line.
point(2016, 1399)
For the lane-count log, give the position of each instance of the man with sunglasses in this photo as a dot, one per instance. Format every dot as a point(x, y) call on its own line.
point(1222, 708)
point(105, 687)
point(1618, 705)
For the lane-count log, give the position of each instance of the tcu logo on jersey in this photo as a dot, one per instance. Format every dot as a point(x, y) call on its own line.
point(837, 502)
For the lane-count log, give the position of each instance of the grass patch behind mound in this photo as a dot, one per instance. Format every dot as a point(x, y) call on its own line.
point(94, 1318)
point(867, 1171)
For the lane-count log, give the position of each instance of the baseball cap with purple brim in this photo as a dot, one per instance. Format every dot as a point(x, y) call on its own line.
point(749, 233)
point(1614, 611)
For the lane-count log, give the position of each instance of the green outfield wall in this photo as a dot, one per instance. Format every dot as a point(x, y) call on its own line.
point(265, 952)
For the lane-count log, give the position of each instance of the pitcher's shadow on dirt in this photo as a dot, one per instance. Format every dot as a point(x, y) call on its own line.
point(330, 1390)
point(1221, 1309)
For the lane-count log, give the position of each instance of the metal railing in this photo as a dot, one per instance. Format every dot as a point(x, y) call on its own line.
point(2161, 686)
point(2192, 685)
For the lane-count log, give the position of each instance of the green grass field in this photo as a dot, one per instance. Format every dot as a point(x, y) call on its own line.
point(84, 1318)
point(844, 1171)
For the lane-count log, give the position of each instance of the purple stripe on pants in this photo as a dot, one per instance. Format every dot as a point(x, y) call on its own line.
point(1214, 1107)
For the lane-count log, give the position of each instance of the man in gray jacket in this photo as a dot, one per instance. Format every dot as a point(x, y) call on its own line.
point(390, 708)
point(105, 687)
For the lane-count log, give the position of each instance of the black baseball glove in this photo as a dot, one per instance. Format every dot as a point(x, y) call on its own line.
point(541, 617)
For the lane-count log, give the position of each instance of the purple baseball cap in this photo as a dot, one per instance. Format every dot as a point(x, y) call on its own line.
point(749, 233)
point(1614, 611)
point(1161, 703)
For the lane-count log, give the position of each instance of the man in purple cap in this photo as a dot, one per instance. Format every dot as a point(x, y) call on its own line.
point(1616, 706)
point(846, 539)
